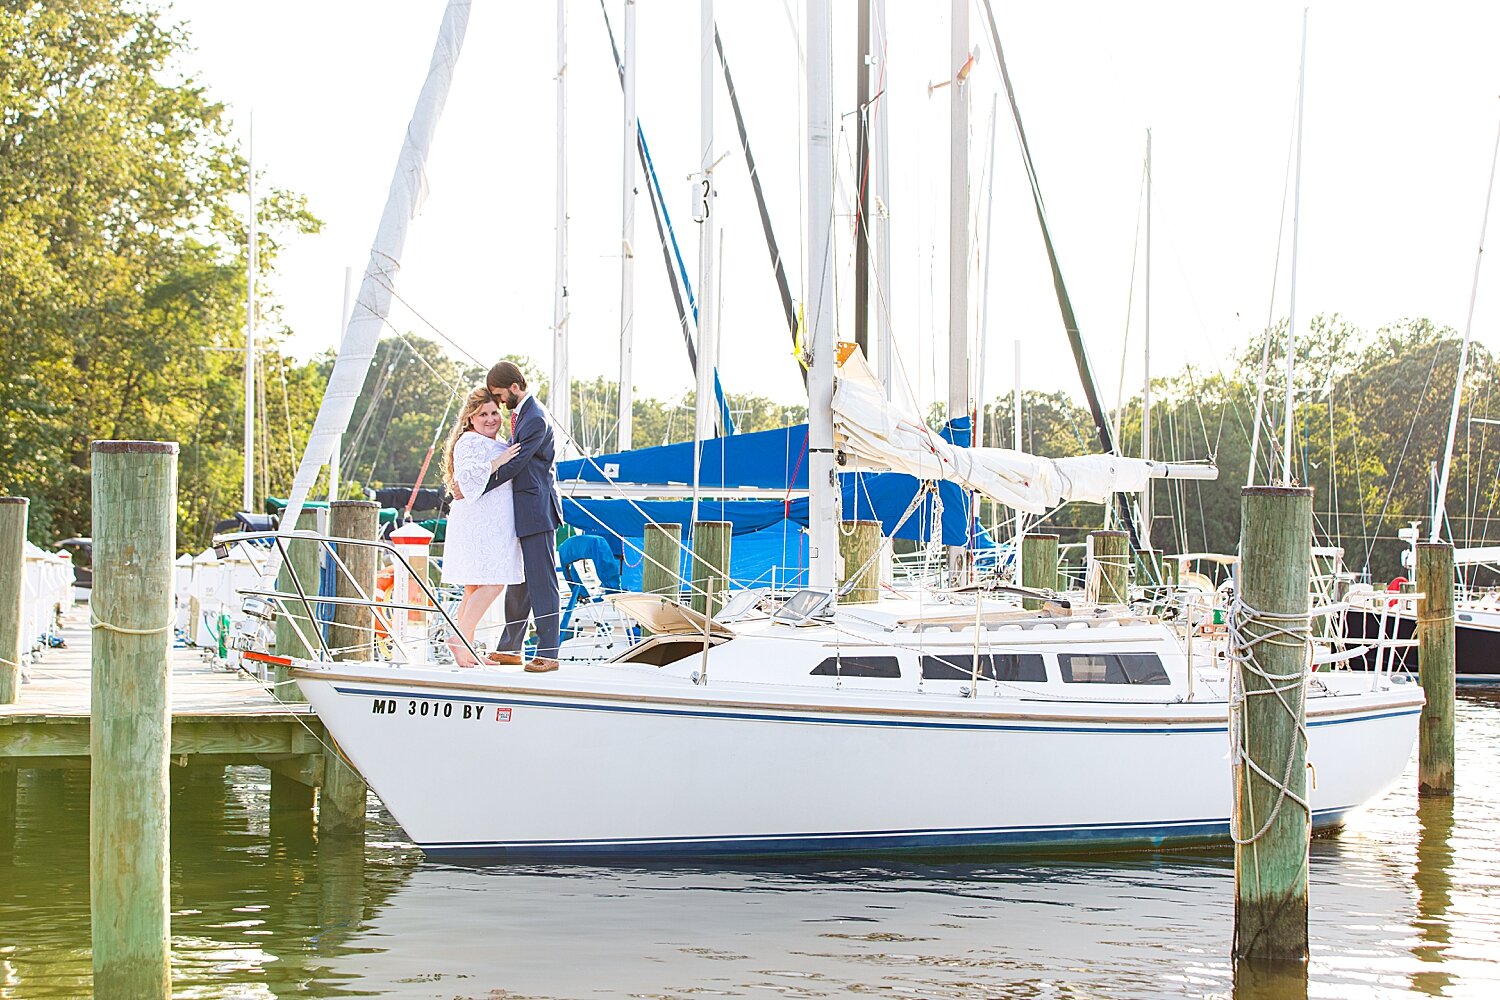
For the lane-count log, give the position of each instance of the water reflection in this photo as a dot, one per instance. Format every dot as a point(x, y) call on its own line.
point(1257, 980)
point(1406, 900)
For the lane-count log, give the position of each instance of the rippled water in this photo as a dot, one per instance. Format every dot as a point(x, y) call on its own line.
point(1405, 900)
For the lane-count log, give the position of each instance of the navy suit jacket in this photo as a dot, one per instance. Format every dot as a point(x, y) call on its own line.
point(538, 507)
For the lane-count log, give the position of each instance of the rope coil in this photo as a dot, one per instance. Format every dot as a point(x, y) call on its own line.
point(1293, 630)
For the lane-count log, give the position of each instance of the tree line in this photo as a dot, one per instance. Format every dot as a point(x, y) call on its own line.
point(122, 315)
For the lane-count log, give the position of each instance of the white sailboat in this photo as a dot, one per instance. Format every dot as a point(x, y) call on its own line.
point(812, 726)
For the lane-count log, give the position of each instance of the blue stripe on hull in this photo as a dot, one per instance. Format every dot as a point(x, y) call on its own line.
point(1122, 728)
point(1028, 840)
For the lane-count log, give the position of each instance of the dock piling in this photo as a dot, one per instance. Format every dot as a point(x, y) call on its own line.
point(13, 512)
point(661, 573)
point(301, 558)
point(1436, 639)
point(1109, 567)
point(1269, 636)
point(710, 562)
point(135, 539)
point(859, 541)
point(1038, 566)
point(351, 634)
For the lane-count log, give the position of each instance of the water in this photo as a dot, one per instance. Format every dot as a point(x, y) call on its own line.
point(1405, 900)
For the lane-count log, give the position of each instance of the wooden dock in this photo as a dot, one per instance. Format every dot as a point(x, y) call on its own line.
point(219, 717)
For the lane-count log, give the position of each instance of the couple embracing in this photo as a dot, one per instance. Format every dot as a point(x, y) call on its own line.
point(502, 526)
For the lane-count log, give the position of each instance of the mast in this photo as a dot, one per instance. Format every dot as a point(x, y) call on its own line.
point(1439, 506)
point(247, 498)
point(822, 486)
point(1291, 331)
point(1146, 389)
point(862, 63)
point(706, 410)
point(880, 137)
point(560, 399)
point(958, 215)
point(627, 242)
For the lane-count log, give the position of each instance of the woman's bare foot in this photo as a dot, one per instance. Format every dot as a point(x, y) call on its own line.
point(461, 655)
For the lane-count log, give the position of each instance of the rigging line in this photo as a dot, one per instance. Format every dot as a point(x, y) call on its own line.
point(1135, 252)
point(667, 235)
point(782, 287)
point(1265, 358)
point(1437, 349)
point(1359, 482)
point(416, 485)
point(390, 287)
point(1065, 305)
point(286, 409)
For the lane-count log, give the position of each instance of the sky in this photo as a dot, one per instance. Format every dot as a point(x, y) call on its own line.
point(1400, 122)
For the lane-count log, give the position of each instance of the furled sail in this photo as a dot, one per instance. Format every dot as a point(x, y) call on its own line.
point(408, 190)
point(875, 433)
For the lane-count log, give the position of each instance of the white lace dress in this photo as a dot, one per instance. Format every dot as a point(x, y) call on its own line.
point(481, 545)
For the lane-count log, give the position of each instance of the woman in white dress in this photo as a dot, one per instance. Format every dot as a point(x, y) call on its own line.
point(481, 550)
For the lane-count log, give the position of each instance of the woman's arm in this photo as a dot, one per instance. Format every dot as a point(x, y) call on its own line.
point(470, 468)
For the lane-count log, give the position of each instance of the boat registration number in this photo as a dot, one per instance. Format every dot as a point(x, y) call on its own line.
point(424, 709)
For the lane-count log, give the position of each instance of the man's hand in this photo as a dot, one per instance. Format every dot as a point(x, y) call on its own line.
point(505, 456)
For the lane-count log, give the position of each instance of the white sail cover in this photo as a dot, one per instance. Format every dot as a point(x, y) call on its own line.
point(408, 190)
point(877, 434)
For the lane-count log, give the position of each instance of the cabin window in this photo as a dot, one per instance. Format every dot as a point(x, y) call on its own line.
point(858, 666)
point(992, 667)
point(1112, 668)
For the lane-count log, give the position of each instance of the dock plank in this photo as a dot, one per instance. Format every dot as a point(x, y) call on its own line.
point(214, 711)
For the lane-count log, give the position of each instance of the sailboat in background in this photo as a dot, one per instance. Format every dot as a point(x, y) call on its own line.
point(1476, 615)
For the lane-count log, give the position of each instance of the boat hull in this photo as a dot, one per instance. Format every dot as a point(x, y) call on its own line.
point(1476, 636)
point(502, 769)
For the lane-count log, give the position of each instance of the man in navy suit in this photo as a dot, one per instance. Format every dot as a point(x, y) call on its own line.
point(538, 515)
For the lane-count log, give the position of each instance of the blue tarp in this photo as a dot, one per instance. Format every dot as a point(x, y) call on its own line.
point(773, 459)
point(768, 534)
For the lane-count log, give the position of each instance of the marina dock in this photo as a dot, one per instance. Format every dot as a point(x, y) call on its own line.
point(219, 717)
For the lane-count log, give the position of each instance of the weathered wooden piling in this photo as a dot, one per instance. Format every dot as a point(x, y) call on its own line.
point(302, 559)
point(1038, 566)
point(135, 539)
point(1269, 644)
point(710, 562)
point(662, 572)
point(12, 582)
point(1109, 573)
point(859, 547)
point(351, 634)
point(1435, 666)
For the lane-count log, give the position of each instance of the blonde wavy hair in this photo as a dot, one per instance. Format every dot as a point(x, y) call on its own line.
point(476, 399)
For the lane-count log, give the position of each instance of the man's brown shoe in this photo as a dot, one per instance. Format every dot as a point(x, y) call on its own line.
point(541, 666)
point(505, 659)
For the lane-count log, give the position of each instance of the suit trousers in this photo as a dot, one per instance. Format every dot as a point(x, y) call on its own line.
point(536, 598)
